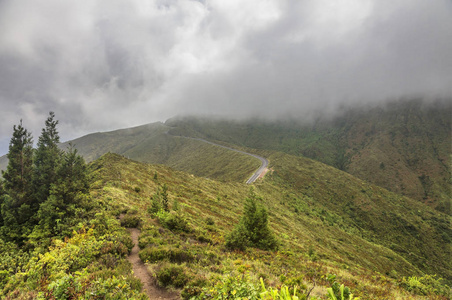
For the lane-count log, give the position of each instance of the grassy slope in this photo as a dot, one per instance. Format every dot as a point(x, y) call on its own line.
point(311, 206)
point(411, 229)
point(94, 145)
point(150, 143)
point(403, 147)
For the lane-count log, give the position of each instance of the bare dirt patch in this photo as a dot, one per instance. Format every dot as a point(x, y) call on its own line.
point(140, 271)
point(266, 170)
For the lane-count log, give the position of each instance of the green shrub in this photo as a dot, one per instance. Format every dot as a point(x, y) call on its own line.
point(284, 293)
point(67, 287)
point(174, 255)
point(295, 284)
point(231, 287)
point(149, 236)
point(123, 270)
point(155, 206)
point(204, 239)
point(174, 221)
point(147, 240)
point(130, 221)
point(12, 260)
point(118, 244)
point(339, 292)
point(80, 267)
point(175, 205)
point(208, 258)
point(238, 238)
point(171, 275)
point(112, 288)
point(193, 288)
point(425, 285)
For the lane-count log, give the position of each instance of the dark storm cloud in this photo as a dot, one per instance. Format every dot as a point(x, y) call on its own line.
point(104, 64)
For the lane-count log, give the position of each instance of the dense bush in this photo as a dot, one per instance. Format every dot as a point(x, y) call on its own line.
point(12, 260)
point(210, 221)
point(149, 240)
point(115, 288)
point(174, 221)
point(231, 287)
point(284, 293)
point(425, 285)
point(171, 275)
point(172, 254)
point(78, 268)
point(130, 221)
point(193, 288)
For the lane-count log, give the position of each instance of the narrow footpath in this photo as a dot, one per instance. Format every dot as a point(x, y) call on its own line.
point(140, 271)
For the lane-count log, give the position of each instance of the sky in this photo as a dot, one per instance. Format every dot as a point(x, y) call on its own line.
point(107, 64)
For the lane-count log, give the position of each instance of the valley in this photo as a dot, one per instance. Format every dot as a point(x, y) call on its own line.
point(171, 194)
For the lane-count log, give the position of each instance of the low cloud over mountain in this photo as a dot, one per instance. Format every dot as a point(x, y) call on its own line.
point(108, 64)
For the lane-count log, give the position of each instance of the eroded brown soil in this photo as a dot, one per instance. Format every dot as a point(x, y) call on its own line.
point(140, 271)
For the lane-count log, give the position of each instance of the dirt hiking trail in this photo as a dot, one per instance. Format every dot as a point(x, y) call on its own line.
point(140, 271)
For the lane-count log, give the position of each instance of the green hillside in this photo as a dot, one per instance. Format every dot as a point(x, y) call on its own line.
point(404, 146)
point(151, 143)
point(326, 221)
point(196, 219)
point(409, 228)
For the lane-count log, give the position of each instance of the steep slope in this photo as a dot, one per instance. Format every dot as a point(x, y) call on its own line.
point(150, 143)
point(403, 146)
point(330, 226)
point(327, 222)
point(411, 229)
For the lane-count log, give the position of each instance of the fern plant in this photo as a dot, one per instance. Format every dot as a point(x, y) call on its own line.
point(274, 294)
point(283, 294)
point(344, 294)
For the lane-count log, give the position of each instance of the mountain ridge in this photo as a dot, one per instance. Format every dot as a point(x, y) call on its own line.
point(328, 222)
point(403, 147)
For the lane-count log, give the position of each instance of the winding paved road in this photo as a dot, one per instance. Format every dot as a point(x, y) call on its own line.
point(259, 172)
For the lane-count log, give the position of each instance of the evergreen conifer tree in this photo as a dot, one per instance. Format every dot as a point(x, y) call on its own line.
point(155, 203)
point(252, 230)
point(165, 204)
point(17, 203)
point(46, 160)
point(66, 194)
point(2, 195)
point(72, 178)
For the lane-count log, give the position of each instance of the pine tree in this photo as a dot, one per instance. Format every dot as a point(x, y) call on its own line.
point(72, 177)
point(252, 229)
point(17, 204)
point(155, 203)
point(66, 194)
point(165, 204)
point(46, 160)
point(2, 195)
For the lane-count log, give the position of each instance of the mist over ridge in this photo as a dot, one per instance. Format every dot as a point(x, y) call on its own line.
point(103, 65)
